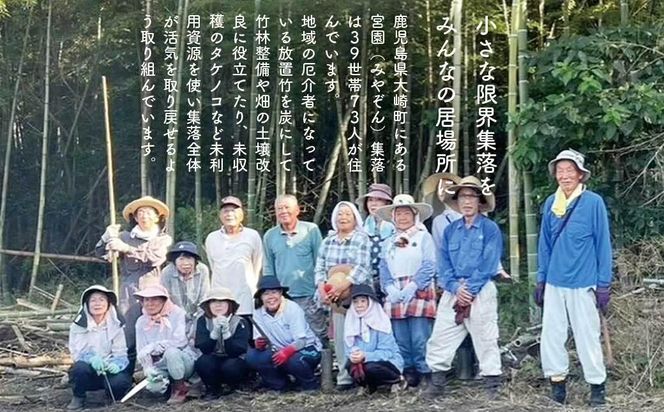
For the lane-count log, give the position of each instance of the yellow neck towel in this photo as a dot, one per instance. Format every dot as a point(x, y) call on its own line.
point(560, 202)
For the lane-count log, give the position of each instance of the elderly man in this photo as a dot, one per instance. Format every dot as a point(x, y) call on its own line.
point(471, 249)
point(235, 254)
point(574, 276)
point(291, 248)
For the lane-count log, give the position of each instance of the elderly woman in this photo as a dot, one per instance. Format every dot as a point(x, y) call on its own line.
point(235, 254)
point(98, 348)
point(186, 279)
point(284, 342)
point(142, 251)
point(222, 337)
point(162, 344)
point(345, 250)
point(379, 195)
point(373, 356)
point(407, 272)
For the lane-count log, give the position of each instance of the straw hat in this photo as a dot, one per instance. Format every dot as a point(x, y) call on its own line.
point(424, 210)
point(158, 205)
point(487, 202)
point(433, 190)
point(574, 156)
point(336, 277)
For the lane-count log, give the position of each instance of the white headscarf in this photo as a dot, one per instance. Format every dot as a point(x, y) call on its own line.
point(358, 217)
point(360, 325)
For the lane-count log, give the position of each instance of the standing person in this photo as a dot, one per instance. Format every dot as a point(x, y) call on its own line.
point(98, 348)
point(407, 274)
point(574, 276)
point(377, 229)
point(284, 343)
point(223, 338)
point(345, 250)
point(291, 248)
point(471, 249)
point(162, 344)
point(373, 355)
point(142, 251)
point(186, 279)
point(235, 254)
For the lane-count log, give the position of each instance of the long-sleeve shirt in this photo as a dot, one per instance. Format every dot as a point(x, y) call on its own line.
point(87, 339)
point(291, 257)
point(417, 259)
point(234, 346)
point(187, 294)
point(582, 254)
point(470, 253)
point(236, 263)
point(286, 327)
point(169, 336)
point(381, 347)
point(353, 251)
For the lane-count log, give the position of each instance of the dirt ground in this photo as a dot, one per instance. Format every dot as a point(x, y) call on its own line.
point(49, 394)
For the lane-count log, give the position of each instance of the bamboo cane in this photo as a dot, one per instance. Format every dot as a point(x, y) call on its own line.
point(111, 191)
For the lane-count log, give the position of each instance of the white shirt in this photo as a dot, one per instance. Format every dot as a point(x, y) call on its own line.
point(236, 264)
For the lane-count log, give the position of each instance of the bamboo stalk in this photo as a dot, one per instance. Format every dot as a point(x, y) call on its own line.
point(44, 157)
point(13, 315)
point(74, 258)
point(56, 299)
point(251, 146)
point(457, 7)
point(21, 362)
point(30, 305)
point(21, 339)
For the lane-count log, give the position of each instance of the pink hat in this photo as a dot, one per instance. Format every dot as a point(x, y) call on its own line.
point(377, 190)
point(152, 291)
point(231, 200)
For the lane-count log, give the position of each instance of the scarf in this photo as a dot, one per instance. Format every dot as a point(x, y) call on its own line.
point(137, 232)
point(356, 213)
point(160, 318)
point(357, 325)
point(561, 203)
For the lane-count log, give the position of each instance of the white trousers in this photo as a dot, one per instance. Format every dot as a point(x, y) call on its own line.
point(338, 320)
point(482, 324)
point(562, 307)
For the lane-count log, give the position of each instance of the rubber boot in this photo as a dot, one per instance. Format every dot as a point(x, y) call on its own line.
point(179, 391)
point(597, 395)
point(492, 386)
point(412, 377)
point(212, 393)
point(559, 391)
point(437, 387)
point(426, 380)
point(465, 366)
point(76, 403)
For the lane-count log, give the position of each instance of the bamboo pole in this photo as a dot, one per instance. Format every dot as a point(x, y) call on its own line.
point(4, 285)
point(74, 258)
point(146, 112)
point(251, 146)
point(56, 299)
point(624, 13)
point(511, 140)
point(457, 7)
point(44, 158)
point(111, 190)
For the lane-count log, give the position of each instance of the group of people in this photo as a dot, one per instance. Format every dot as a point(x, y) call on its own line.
point(399, 300)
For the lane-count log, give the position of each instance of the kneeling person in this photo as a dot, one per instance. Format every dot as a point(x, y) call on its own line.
point(162, 344)
point(98, 347)
point(223, 337)
point(285, 344)
point(372, 352)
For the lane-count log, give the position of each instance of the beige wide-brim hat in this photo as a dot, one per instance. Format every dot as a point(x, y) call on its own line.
point(424, 210)
point(433, 190)
point(487, 202)
point(158, 205)
point(152, 291)
point(218, 293)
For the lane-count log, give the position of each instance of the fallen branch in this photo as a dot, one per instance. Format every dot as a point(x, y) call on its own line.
point(39, 361)
point(54, 256)
point(35, 314)
point(21, 339)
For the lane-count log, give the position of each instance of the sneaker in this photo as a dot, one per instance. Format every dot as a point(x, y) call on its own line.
point(76, 403)
point(399, 386)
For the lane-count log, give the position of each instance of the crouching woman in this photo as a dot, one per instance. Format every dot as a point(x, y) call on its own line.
point(98, 347)
point(284, 342)
point(372, 352)
point(162, 344)
point(223, 338)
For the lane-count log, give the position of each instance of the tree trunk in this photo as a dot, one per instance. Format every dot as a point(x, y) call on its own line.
point(146, 112)
point(198, 202)
point(44, 158)
point(171, 159)
point(542, 30)
point(624, 13)
point(4, 276)
point(511, 140)
point(466, 106)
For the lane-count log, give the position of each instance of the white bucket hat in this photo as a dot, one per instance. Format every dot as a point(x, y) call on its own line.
point(574, 156)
